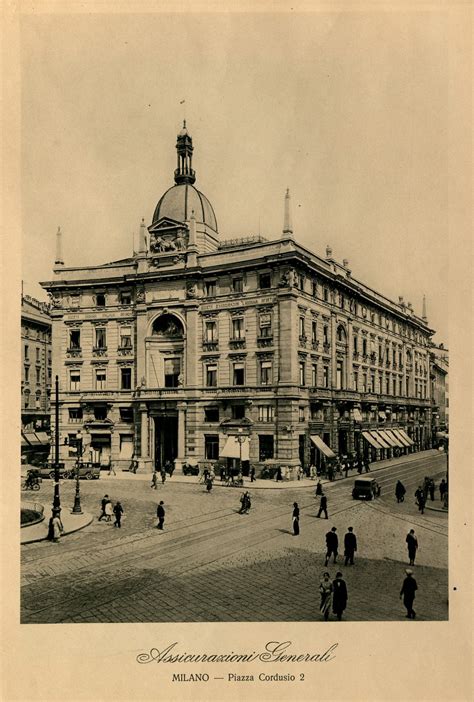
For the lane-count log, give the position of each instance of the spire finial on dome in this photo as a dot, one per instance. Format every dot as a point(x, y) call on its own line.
point(184, 146)
point(287, 227)
point(59, 255)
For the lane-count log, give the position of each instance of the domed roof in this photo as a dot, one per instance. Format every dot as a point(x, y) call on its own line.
point(180, 200)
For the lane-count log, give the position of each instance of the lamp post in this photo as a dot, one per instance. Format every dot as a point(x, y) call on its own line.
point(240, 438)
point(77, 498)
point(56, 510)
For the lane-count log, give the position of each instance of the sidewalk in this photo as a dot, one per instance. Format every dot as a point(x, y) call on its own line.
point(71, 523)
point(258, 483)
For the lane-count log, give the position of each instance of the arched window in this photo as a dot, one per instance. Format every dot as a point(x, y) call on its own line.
point(167, 325)
point(341, 333)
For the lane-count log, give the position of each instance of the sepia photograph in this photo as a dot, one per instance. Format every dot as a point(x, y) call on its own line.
point(235, 339)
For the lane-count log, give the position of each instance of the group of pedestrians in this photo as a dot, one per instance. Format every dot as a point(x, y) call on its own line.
point(333, 593)
point(166, 469)
point(108, 510)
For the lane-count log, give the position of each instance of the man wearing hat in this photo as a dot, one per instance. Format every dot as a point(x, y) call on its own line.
point(339, 596)
point(331, 543)
point(350, 546)
point(412, 543)
point(408, 590)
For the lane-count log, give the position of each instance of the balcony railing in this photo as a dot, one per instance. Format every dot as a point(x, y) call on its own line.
point(210, 345)
point(326, 346)
point(99, 351)
point(125, 350)
point(237, 343)
point(264, 341)
point(74, 352)
point(302, 339)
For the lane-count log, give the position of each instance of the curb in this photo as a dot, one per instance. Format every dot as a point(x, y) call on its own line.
point(89, 517)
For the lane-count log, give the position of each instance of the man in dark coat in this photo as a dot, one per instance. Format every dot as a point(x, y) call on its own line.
point(252, 474)
point(412, 543)
point(431, 488)
point(104, 501)
point(442, 489)
point(350, 546)
point(408, 590)
point(400, 491)
point(332, 543)
point(323, 506)
point(118, 511)
point(160, 513)
point(339, 596)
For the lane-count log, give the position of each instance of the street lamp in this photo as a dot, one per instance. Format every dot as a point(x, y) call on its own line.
point(56, 510)
point(240, 438)
point(77, 498)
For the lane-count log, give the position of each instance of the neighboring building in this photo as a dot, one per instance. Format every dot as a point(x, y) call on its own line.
point(182, 349)
point(36, 364)
point(439, 369)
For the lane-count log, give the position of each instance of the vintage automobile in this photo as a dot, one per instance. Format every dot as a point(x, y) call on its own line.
point(89, 471)
point(365, 489)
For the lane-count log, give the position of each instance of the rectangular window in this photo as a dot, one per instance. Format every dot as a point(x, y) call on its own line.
point(126, 378)
point(172, 368)
point(265, 447)
point(126, 298)
point(314, 332)
point(238, 328)
point(50, 373)
point(210, 288)
point(100, 300)
point(37, 355)
point(27, 400)
point(265, 413)
point(238, 411)
point(211, 376)
point(314, 288)
point(75, 414)
point(100, 338)
point(126, 337)
point(75, 339)
point(100, 413)
point(126, 414)
point(27, 350)
point(326, 376)
point(265, 324)
point(302, 372)
point(237, 285)
point(325, 295)
point(326, 334)
point(264, 281)
point(27, 373)
point(49, 356)
point(100, 379)
point(74, 380)
point(364, 382)
point(356, 381)
point(400, 390)
point(339, 375)
point(302, 334)
point(211, 414)
point(301, 414)
point(238, 374)
point(301, 281)
point(211, 446)
point(314, 375)
point(211, 332)
point(355, 340)
point(38, 375)
point(364, 347)
point(372, 382)
point(265, 372)
point(387, 385)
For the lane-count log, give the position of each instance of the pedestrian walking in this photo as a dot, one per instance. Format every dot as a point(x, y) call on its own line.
point(111, 467)
point(330, 472)
point(160, 513)
point(109, 511)
point(325, 589)
point(432, 488)
point(278, 474)
point(252, 474)
point(400, 491)
point(296, 519)
point(346, 468)
point(154, 481)
point(163, 475)
point(443, 488)
point(312, 471)
point(332, 543)
point(55, 529)
point(118, 511)
point(350, 546)
point(319, 488)
point(339, 595)
point(367, 466)
point(408, 590)
point(243, 503)
point(103, 503)
point(323, 506)
point(360, 467)
point(412, 544)
point(208, 485)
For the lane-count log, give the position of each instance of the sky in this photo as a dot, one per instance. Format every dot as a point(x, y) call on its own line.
point(349, 110)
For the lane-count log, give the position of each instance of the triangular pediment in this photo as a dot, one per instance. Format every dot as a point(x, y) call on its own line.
point(165, 223)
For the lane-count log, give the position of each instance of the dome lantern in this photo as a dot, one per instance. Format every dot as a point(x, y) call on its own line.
point(184, 146)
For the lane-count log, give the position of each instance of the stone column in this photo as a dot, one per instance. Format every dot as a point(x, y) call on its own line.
point(144, 460)
point(333, 350)
point(181, 457)
point(350, 346)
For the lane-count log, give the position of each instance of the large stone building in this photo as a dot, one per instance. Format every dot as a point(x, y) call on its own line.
point(36, 364)
point(439, 376)
point(192, 344)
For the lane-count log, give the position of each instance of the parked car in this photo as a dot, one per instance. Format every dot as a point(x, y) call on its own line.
point(365, 489)
point(89, 471)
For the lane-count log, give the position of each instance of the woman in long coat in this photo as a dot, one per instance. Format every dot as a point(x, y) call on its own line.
point(57, 527)
point(325, 589)
point(296, 519)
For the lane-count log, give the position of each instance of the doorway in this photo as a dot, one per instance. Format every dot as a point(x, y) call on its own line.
point(166, 440)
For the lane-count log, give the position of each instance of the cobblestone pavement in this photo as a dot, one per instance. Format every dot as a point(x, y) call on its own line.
point(213, 564)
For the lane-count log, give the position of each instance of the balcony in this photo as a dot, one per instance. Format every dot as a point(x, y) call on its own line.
point(125, 351)
point(264, 341)
point(323, 393)
point(237, 343)
point(99, 351)
point(326, 347)
point(210, 346)
point(315, 345)
point(302, 340)
point(74, 352)
point(343, 394)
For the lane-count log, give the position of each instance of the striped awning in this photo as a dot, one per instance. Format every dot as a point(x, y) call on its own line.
point(380, 439)
point(392, 434)
point(400, 436)
point(324, 448)
point(234, 449)
point(405, 435)
point(373, 442)
point(389, 439)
